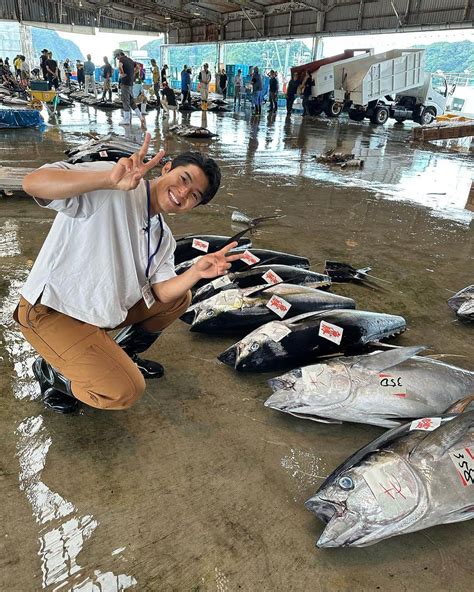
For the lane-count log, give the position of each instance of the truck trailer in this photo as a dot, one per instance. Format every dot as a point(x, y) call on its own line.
point(392, 84)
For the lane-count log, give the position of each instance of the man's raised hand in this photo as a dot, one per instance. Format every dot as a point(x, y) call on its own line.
point(215, 264)
point(128, 172)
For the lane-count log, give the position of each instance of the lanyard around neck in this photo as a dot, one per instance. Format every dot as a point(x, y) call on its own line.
point(148, 229)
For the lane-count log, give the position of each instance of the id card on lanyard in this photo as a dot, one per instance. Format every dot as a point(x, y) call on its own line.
point(147, 290)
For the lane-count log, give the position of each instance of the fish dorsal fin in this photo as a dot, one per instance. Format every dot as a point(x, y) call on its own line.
point(440, 440)
point(304, 316)
point(382, 360)
point(230, 240)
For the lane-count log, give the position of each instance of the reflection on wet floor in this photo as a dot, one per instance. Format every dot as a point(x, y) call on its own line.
point(208, 485)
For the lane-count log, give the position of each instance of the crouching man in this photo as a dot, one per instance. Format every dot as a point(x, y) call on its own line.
point(108, 263)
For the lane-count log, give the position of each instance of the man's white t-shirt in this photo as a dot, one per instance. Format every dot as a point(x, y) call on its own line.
point(92, 264)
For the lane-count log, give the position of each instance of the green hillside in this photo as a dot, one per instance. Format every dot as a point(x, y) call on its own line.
point(61, 48)
point(457, 56)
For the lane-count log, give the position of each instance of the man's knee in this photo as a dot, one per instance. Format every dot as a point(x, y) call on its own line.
point(119, 390)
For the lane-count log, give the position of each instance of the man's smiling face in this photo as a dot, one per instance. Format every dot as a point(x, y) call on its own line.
point(180, 189)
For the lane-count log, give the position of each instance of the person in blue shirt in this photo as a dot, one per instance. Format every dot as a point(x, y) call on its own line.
point(186, 84)
point(89, 75)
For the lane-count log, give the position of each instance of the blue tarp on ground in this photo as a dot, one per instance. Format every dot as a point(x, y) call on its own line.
point(15, 118)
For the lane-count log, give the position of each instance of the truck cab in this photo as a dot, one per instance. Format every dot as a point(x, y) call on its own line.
point(424, 102)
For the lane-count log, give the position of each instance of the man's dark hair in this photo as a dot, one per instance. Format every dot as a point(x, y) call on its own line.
point(208, 166)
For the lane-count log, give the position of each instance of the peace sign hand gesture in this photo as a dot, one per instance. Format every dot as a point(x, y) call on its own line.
point(128, 172)
point(218, 263)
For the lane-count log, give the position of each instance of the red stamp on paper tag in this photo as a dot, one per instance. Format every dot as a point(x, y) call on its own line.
point(200, 245)
point(331, 332)
point(249, 258)
point(426, 424)
point(278, 306)
point(271, 277)
point(103, 153)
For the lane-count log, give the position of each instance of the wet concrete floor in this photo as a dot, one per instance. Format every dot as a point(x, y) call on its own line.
point(198, 487)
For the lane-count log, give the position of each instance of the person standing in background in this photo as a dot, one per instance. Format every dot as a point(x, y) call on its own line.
point(80, 74)
point(89, 74)
point(43, 59)
point(53, 72)
point(257, 91)
point(223, 83)
point(17, 66)
point(67, 72)
point(163, 73)
point(126, 73)
point(238, 84)
point(25, 74)
point(306, 87)
point(273, 91)
point(291, 91)
point(107, 72)
point(204, 80)
point(155, 72)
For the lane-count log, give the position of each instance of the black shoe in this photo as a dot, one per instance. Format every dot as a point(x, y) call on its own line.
point(148, 368)
point(135, 340)
point(61, 401)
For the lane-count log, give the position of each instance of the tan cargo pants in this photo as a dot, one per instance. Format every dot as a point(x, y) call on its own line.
point(101, 373)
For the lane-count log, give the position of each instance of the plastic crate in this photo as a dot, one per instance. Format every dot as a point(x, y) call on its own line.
point(39, 85)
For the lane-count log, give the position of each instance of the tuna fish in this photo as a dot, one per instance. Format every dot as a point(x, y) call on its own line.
point(244, 310)
point(189, 247)
point(254, 256)
point(463, 303)
point(383, 388)
point(309, 336)
point(256, 276)
point(413, 477)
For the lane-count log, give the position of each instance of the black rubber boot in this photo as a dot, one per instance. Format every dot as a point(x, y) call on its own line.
point(135, 340)
point(55, 388)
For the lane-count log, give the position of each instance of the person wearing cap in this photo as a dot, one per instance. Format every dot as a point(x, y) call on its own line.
point(43, 60)
point(127, 74)
point(108, 263)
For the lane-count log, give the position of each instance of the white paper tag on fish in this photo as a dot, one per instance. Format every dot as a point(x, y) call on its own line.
point(271, 277)
point(103, 153)
point(200, 245)
point(220, 282)
point(427, 424)
point(463, 460)
point(249, 258)
point(278, 306)
point(331, 332)
point(275, 331)
point(393, 487)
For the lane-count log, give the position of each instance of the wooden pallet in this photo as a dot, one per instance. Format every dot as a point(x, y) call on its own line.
point(11, 178)
point(443, 131)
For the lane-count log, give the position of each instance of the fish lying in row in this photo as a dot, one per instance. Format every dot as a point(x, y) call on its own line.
point(256, 276)
point(254, 256)
point(108, 147)
point(244, 310)
point(188, 247)
point(383, 388)
point(463, 303)
point(309, 336)
point(413, 477)
point(191, 131)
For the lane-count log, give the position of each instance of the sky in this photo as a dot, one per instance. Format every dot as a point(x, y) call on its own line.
point(104, 43)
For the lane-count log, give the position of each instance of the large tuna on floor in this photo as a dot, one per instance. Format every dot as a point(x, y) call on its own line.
point(190, 247)
point(409, 479)
point(309, 336)
point(254, 256)
point(241, 311)
point(256, 276)
point(463, 303)
point(383, 388)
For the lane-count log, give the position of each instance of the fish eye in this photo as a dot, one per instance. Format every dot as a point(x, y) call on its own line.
point(254, 346)
point(346, 483)
point(210, 313)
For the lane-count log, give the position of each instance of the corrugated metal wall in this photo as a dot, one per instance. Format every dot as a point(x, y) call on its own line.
point(285, 21)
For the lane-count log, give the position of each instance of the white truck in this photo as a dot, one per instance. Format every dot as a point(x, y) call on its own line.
point(392, 84)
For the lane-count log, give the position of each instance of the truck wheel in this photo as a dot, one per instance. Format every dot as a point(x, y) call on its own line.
point(356, 115)
point(380, 115)
point(427, 116)
point(333, 109)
